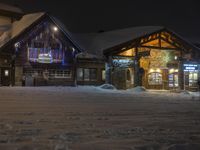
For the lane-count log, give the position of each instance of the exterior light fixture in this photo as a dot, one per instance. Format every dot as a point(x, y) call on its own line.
point(151, 70)
point(16, 45)
point(6, 73)
point(55, 28)
point(171, 70)
point(175, 57)
point(158, 70)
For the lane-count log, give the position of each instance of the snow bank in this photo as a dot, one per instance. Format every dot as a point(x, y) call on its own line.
point(137, 89)
point(108, 87)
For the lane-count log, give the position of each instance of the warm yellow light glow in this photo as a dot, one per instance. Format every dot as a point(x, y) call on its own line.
point(173, 70)
point(158, 70)
point(151, 70)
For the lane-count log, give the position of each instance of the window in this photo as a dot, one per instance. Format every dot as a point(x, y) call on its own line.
point(93, 74)
point(63, 74)
point(173, 80)
point(60, 74)
point(103, 75)
point(193, 78)
point(79, 74)
point(6, 73)
point(155, 78)
point(86, 74)
point(128, 75)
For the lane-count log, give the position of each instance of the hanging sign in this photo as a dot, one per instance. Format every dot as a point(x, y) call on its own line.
point(190, 67)
point(120, 62)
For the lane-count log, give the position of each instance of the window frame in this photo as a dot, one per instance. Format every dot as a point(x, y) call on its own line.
point(156, 79)
point(83, 70)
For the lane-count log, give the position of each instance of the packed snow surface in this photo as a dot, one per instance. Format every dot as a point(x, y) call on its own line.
point(91, 118)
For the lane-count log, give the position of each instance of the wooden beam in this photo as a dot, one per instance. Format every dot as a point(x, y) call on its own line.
point(152, 39)
point(178, 47)
point(161, 48)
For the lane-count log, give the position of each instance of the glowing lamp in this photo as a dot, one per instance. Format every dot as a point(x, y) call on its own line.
point(55, 29)
point(158, 70)
point(151, 70)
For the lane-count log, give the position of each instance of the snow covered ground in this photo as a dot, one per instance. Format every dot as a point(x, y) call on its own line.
point(91, 118)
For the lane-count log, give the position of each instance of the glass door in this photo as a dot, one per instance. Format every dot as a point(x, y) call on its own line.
point(173, 80)
point(5, 76)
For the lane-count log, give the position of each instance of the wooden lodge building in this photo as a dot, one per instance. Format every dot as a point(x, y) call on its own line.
point(37, 50)
point(153, 57)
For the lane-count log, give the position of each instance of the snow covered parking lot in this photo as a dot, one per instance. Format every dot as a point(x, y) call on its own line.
point(90, 118)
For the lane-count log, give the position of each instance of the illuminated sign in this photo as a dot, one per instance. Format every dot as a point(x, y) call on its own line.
point(45, 58)
point(45, 55)
point(122, 62)
point(190, 67)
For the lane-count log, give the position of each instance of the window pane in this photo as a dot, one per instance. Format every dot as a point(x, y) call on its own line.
point(86, 74)
point(103, 75)
point(80, 74)
point(155, 78)
point(93, 74)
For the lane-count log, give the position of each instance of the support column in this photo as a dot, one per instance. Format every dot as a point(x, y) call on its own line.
point(180, 74)
point(136, 69)
point(108, 69)
point(12, 71)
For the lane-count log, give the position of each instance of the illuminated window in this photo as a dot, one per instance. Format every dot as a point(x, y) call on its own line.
point(86, 74)
point(79, 74)
point(173, 80)
point(103, 75)
point(63, 74)
point(155, 78)
point(193, 78)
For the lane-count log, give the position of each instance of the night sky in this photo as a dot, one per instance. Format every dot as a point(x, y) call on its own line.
point(93, 15)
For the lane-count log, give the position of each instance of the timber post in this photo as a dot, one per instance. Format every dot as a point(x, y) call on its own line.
point(108, 68)
point(136, 69)
point(180, 74)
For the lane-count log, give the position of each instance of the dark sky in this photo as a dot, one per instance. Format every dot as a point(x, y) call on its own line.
point(182, 16)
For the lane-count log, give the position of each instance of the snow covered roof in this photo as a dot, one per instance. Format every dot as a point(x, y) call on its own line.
point(24, 23)
point(10, 8)
point(20, 26)
point(85, 55)
point(95, 43)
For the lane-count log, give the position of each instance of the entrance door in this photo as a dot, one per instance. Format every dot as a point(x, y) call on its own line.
point(173, 80)
point(5, 76)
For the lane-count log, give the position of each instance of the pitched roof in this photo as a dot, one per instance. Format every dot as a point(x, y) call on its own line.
point(21, 26)
point(27, 20)
point(95, 43)
point(10, 8)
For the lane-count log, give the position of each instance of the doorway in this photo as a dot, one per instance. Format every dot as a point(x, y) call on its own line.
point(5, 75)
